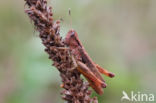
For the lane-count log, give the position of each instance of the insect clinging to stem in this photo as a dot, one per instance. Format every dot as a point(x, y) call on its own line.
point(84, 64)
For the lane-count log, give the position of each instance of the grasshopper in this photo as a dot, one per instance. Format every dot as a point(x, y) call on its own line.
point(85, 64)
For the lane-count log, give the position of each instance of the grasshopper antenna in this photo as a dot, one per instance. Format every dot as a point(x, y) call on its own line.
point(69, 12)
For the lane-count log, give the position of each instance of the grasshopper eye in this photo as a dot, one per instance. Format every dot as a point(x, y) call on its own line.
point(72, 34)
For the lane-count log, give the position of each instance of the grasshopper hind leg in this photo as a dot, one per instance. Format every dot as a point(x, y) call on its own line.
point(104, 71)
point(95, 82)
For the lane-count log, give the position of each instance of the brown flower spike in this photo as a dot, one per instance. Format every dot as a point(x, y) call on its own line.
point(75, 90)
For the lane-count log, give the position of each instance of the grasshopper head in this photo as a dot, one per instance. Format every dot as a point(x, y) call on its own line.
point(71, 39)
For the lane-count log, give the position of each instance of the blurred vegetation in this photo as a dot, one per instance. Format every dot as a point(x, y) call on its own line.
point(119, 35)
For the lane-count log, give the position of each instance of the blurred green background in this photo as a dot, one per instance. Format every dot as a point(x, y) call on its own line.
point(119, 35)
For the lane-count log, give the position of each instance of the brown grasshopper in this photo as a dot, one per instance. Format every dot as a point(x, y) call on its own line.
point(84, 63)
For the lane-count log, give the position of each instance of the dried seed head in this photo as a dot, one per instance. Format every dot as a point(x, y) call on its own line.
point(75, 90)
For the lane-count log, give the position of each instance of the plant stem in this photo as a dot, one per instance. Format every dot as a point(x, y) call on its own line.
point(75, 89)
